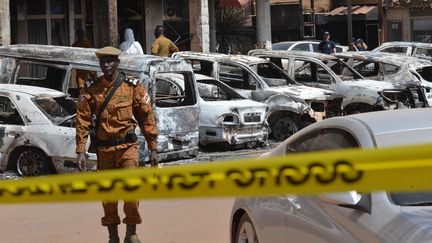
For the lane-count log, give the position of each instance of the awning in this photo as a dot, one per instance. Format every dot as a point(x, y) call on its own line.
point(233, 3)
point(370, 12)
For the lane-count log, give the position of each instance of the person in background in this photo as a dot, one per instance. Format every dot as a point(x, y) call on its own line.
point(162, 46)
point(327, 46)
point(81, 75)
point(82, 40)
point(360, 45)
point(129, 45)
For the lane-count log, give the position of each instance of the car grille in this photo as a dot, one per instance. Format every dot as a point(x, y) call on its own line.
point(252, 117)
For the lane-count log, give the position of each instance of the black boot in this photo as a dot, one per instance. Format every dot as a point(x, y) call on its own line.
point(131, 236)
point(113, 234)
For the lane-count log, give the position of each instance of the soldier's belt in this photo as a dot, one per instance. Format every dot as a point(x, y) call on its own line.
point(129, 138)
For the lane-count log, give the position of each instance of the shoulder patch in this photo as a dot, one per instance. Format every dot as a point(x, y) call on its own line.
point(133, 81)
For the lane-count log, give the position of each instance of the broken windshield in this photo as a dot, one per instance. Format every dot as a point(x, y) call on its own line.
point(272, 75)
point(56, 109)
point(341, 69)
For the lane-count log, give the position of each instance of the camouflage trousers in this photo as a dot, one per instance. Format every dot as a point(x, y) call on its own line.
point(123, 156)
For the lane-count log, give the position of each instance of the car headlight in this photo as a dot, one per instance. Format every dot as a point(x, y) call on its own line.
point(228, 120)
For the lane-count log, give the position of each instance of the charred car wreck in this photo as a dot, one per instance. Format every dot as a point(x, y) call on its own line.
point(402, 70)
point(329, 72)
point(226, 118)
point(59, 68)
point(37, 131)
point(291, 105)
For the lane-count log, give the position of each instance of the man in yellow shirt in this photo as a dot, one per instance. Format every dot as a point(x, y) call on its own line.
point(162, 46)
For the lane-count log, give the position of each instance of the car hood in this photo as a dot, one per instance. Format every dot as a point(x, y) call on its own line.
point(211, 110)
point(303, 92)
point(371, 85)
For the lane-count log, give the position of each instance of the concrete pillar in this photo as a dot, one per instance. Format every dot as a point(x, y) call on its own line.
point(199, 25)
point(212, 24)
point(105, 23)
point(263, 20)
point(5, 32)
point(154, 12)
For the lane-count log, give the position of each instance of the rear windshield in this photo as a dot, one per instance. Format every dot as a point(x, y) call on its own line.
point(58, 110)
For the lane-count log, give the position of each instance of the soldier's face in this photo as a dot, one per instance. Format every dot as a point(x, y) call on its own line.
point(109, 65)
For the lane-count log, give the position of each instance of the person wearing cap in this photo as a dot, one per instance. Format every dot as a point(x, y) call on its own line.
point(116, 141)
point(162, 46)
point(360, 45)
point(327, 46)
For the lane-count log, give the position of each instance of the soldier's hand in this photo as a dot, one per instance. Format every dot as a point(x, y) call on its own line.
point(153, 158)
point(82, 162)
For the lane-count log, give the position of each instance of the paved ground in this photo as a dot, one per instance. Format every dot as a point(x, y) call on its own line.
point(164, 221)
point(173, 221)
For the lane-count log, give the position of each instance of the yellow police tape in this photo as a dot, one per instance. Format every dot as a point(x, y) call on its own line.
point(391, 169)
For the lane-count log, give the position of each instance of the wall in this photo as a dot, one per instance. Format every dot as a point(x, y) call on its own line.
point(154, 11)
point(400, 15)
point(5, 34)
point(320, 5)
point(199, 25)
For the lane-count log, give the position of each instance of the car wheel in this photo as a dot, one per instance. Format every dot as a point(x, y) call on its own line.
point(32, 162)
point(283, 128)
point(246, 231)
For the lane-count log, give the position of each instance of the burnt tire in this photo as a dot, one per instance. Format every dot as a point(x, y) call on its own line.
point(283, 127)
point(32, 162)
point(245, 231)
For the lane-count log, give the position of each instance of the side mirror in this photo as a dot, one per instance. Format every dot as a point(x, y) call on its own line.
point(349, 199)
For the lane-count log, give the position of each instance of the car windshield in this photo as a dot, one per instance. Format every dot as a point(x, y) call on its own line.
point(341, 69)
point(212, 90)
point(412, 198)
point(272, 75)
point(56, 109)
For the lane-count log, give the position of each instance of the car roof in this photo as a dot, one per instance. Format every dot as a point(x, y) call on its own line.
point(79, 56)
point(284, 54)
point(405, 43)
point(249, 60)
point(30, 90)
point(389, 58)
point(303, 41)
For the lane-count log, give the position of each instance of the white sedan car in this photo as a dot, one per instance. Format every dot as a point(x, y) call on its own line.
point(343, 217)
point(37, 131)
point(226, 118)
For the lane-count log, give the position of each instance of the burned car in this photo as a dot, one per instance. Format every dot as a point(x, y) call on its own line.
point(416, 49)
point(226, 118)
point(59, 68)
point(292, 105)
point(37, 131)
point(328, 72)
point(392, 68)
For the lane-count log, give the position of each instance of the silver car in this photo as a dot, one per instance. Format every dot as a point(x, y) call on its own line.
point(343, 217)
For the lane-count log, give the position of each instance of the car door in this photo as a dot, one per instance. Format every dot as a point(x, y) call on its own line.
point(11, 127)
point(313, 220)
